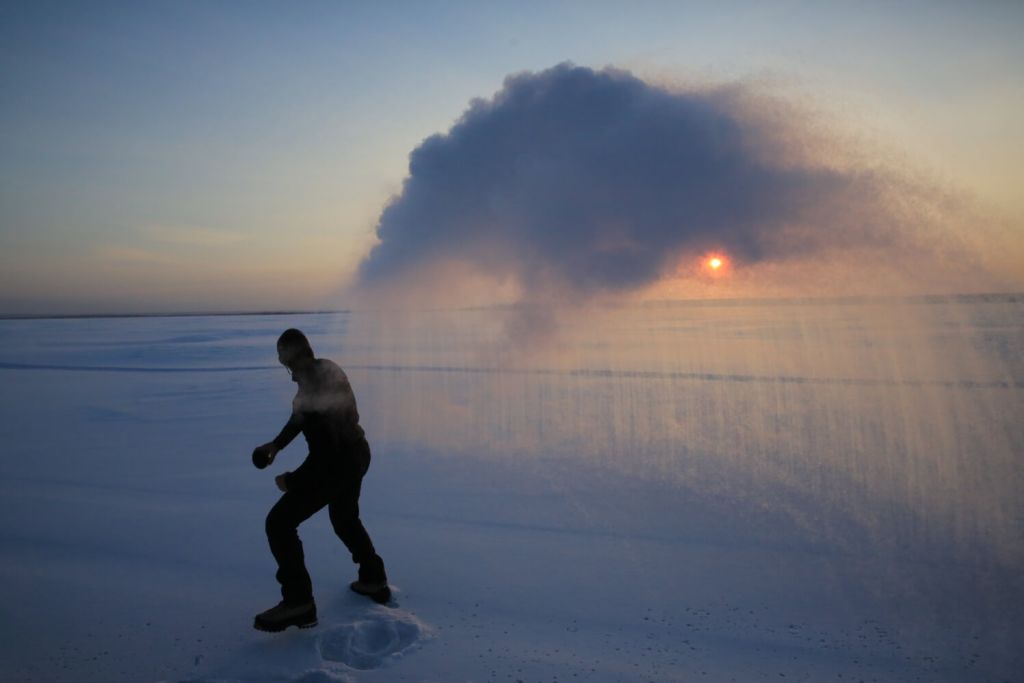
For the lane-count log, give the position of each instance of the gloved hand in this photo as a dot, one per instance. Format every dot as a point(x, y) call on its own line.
point(264, 455)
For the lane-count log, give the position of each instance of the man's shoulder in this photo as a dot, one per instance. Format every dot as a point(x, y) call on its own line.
point(330, 372)
point(326, 366)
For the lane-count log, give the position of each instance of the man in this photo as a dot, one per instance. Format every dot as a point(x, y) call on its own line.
point(324, 410)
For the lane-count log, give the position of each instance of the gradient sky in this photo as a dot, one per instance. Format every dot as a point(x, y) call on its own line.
point(236, 156)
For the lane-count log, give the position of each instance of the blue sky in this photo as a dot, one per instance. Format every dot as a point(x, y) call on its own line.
point(224, 156)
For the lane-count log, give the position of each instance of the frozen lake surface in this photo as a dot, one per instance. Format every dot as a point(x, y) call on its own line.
point(721, 492)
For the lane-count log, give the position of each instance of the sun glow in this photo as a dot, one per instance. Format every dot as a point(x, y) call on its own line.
point(715, 264)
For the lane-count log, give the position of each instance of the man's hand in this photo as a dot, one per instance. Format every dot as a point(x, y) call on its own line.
point(264, 455)
point(281, 482)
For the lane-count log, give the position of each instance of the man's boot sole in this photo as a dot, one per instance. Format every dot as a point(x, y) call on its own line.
point(268, 627)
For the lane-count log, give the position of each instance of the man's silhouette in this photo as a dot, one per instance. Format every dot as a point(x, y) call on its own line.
point(324, 410)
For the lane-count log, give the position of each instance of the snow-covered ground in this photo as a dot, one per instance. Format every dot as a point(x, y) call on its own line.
point(663, 493)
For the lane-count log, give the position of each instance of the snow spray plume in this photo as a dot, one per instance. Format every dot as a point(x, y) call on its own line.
point(573, 183)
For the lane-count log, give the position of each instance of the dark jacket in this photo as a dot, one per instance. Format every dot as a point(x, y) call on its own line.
point(324, 410)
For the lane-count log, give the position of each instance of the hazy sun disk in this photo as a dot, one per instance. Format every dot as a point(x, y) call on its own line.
point(715, 263)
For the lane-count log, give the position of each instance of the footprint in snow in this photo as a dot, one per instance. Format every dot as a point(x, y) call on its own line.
point(372, 642)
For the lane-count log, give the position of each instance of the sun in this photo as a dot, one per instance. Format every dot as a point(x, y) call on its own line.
point(715, 264)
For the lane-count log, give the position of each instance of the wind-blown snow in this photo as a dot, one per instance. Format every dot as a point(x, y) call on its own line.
point(718, 492)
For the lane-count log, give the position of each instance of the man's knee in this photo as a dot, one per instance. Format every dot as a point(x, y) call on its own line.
point(278, 524)
point(344, 513)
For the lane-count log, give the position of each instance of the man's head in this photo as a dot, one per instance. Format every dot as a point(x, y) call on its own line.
point(293, 349)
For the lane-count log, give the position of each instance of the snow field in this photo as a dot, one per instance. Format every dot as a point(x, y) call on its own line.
point(538, 526)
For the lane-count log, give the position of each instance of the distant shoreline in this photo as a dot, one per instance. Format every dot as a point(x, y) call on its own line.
point(922, 299)
point(206, 314)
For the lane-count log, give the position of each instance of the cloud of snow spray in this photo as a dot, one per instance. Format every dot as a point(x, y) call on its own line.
point(573, 186)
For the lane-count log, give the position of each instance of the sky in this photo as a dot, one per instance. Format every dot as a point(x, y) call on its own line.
point(215, 156)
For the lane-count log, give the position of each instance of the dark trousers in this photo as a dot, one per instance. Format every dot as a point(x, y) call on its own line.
point(294, 508)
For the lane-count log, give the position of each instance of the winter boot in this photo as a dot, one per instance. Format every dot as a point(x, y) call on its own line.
point(283, 615)
point(378, 591)
point(373, 581)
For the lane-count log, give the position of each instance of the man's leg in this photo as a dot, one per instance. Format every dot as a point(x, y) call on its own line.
point(282, 532)
point(344, 511)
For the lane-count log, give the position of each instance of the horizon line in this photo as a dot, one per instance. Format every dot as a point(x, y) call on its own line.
point(920, 299)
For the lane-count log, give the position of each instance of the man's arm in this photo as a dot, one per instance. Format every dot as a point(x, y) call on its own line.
point(264, 455)
point(289, 432)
